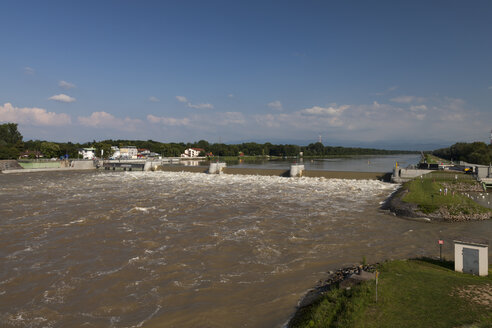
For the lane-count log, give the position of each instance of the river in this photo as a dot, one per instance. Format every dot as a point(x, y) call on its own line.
point(166, 249)
point(364, 163)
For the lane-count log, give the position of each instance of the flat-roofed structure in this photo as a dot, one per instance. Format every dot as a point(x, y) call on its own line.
point(471, 257)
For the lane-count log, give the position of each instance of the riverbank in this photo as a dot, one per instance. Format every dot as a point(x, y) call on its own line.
point(438, 196)
point(411, 293)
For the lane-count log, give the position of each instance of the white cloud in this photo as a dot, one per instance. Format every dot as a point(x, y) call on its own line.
point(331, 111)
point(390, 89)
point(190, 105)
point(66, 85)
point(62, 98)
point(231, 118)
point(276, 105)
point(168, 120)
point(418, 108)
point(201, 121)
point(490, 88)
point(407, 99)
point(153, 99)
point(437, 118)
point(107, 120)
point(201, 106)
point(230, 95)
point(32, 116)
point(29, 70)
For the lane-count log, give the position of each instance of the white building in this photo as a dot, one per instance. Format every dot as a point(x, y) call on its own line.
point(115, 152)
point(143, 153)
point(88, 153)
point(192, 152)
point(129, 152)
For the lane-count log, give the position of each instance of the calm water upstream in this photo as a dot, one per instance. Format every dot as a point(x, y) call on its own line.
point(163, 249)
point(369, 163)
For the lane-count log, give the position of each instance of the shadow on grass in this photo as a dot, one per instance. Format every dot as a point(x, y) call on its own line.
point(447, 264)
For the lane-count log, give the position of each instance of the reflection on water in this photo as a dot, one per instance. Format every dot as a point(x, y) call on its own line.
point(163, 249)
point(193, 163)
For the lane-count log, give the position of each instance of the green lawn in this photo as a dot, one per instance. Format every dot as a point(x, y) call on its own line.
point(413, 293)
point(425, 192)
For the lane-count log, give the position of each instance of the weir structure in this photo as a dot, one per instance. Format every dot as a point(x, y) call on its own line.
point(403, 175)
point(176, 165)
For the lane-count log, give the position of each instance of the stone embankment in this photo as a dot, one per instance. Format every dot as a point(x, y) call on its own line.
point(342, 278)
point(397, 206)
point(9, 165)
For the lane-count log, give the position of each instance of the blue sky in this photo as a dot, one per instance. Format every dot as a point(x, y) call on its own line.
point(354, 72)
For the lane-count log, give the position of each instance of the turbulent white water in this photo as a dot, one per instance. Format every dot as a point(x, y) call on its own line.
point(135, 249)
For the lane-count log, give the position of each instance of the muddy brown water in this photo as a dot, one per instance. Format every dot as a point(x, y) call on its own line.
point(171, 249)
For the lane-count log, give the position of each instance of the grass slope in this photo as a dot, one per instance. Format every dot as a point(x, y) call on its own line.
point(413, 293)
point(428, 193)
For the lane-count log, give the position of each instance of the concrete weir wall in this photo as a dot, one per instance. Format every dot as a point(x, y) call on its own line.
point(404, 175)
point(279, 172)
point(82, 165)
point(47, 166)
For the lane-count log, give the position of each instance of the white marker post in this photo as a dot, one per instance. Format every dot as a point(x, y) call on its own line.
point(441, 242)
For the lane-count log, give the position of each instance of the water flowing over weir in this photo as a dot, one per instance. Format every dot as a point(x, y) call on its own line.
point(166, 249)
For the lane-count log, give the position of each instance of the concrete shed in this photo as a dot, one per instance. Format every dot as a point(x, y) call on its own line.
point(471, 257)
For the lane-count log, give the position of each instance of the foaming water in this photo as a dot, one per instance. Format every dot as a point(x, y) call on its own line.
point(161, 249)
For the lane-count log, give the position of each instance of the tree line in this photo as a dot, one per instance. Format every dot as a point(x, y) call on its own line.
point(11, 145)
point(475, 152)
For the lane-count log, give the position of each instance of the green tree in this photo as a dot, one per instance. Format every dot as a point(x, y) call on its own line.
point(8, 152)
point(105, 147)
point(476, 152)
point(10, 141)
point(50, 149)
point(202, 144)
point(9, 133)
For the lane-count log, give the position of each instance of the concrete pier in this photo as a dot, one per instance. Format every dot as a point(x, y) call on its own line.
point(216, 168)
point(401, 175)
point(296, 170)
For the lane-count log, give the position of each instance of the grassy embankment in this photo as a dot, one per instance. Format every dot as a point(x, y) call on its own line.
point(431, 159)
point(413, 293)
point(428, 193)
